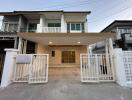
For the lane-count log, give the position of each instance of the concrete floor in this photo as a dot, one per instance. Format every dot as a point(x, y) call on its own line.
point(64, 73)
point(65, 88)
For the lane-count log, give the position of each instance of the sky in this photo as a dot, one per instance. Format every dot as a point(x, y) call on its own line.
point(103, 12)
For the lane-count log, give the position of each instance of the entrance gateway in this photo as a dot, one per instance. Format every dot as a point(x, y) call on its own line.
point(93, 68)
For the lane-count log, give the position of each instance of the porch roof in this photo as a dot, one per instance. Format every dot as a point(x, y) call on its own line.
point(66, 38)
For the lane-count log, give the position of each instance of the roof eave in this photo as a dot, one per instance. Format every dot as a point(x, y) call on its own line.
point(26, 12)
point(114, 22)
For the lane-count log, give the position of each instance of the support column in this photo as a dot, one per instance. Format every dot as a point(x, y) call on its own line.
point(15, 43)
point(63, 26)
point(24, 46)
point(3, 25)
point(20, 45)
point(7, 75)
point(119, 67)
point(118, 35)
point(111, 51)
point(41, 20)
point(41, 24)
point(110, 46)
point(27, 27)
point(86, 26)
point(89, 49)
point(106, 47)
point(19, 24)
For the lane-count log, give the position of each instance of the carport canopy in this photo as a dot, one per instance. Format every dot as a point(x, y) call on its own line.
point(66, 38)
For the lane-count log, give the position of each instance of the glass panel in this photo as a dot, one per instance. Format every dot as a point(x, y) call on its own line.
point(57, 25)
point(54, 24)
point(68, 27)
point(82, 27)
point(50, 25)
point(15, 27)
point(72, 26)
point(11, 27)
point(6, 27)
point(78, 27)
point(32, 27)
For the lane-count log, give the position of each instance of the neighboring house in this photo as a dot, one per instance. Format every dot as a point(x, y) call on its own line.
point(7, 40)
point(61, 34)
point(123, 39)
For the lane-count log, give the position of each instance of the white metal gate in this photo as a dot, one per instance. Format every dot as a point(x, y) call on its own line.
point(34, 72)
point(96, 68)
point(39, 69)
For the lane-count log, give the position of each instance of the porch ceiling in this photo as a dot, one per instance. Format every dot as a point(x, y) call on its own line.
point(66, 38)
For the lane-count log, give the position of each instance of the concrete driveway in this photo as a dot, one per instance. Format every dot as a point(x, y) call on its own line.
point(64, 84)
point(65, 90)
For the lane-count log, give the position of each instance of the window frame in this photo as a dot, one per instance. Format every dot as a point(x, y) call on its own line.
point(75, 30)
point(53, 53)
point(29, 29)
point(54, 24)
point(6, 28)
point(68, 59)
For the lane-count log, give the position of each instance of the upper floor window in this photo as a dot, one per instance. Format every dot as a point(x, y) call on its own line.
point(54, 24)
point(10, 27)
point(75, 27)
point(32, 27)
point(124, 30)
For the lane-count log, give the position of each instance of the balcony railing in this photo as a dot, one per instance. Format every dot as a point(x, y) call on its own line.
point(122, 31)
point(28, 30)
point(43, 30)
point(51, 29)
point(5, 33)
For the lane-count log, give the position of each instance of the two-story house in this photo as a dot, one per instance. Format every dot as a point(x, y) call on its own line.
point(123, 30)
point(61, 34)
point(123, 38)
point(7, 40)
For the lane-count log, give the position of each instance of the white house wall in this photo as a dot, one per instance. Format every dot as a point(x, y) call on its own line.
point(70, 17)
point(63, 19)
point(42, 49)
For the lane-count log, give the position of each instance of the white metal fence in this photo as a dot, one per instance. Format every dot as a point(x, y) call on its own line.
point(128, 65)
point(96, 68)
point(34, 72)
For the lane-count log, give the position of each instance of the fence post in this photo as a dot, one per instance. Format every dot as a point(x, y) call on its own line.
point(119, 67)
point(81, 67)
point(8, 67)
point(47, 70)
point(97, 67)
